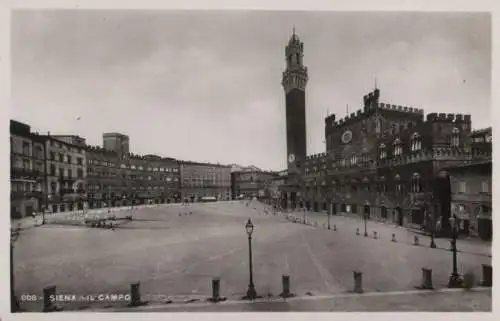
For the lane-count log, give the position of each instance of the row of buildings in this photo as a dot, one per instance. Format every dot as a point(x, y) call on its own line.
point(58, 173)
point(388, 161)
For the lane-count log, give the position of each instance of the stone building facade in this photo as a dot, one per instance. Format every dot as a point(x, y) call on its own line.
point(252, 183)
point(27, 170)
point(103, 177)
point(386, 159)
point(383, 159)
point(471, 198)
point(66, 168)
point(118, 179)
point(205, 180)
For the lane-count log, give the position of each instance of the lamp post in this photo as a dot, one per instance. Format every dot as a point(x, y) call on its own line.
point(251, 293)
point(328, 212)
point(430, 215)
point(365, 217)
point(455, 280)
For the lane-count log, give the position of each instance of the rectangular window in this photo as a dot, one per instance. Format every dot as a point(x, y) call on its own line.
point(461, 187)
point(79, 173)
point(69, 159)
point(79, 161)
point(61, 158)
point(485, 187)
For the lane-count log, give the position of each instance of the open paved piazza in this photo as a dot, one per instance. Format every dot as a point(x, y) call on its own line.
point(174, 251)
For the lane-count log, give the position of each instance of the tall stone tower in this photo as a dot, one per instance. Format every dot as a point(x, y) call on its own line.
point(294, 82)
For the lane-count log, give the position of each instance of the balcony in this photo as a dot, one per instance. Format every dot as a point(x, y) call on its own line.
point(64, 191)
point(19, 172)
point(26, 195)
point(66, 178)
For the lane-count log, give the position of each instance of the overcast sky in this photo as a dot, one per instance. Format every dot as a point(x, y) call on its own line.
point(206, 86)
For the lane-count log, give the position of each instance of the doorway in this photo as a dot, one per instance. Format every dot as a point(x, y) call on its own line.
point(399, 215)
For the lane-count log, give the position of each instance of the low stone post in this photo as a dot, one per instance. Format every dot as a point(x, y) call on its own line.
point(49, 294)
point(426, 279)
point(285, 280)
point(334, 227)
point(487, 275)
point(358, 282)
point(375, 236)
point(415, 241)
point(216, 291)
point(394, 238)
point(357, 231)
point(135, 294)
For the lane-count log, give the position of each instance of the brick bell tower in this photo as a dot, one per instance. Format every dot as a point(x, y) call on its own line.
point(294, 83)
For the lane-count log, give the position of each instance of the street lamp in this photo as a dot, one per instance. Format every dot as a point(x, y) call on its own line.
point(365, 217)
point(251, 293)
point(431, 220)
point(455, 280)
point(328, 211)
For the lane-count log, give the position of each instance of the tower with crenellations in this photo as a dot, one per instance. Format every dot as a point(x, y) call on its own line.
point(294, 83)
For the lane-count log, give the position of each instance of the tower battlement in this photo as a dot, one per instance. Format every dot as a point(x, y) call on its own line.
point(402, 109)
point(449, 118)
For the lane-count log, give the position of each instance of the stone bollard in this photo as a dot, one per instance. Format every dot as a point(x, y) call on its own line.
point(49, 293)
point(358, 282)
point(285, 280)
point(394, 238)
point(487, 275)
point(426, 280)
point(469, 280)
point(375, 236)
point(357, 231)
point(334, 227)
point(135, 295)
point(216, 291)
point(415, 241)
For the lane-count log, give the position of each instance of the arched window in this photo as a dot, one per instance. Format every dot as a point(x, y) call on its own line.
point(378, 125)
point(399, 186)
point(354, 159)
point(382, 151)
point(334, 186)
point(455, 137)
point(366, 184)
point(364, 157)
point(416, 142)
point(397, 147)
point(416, 185)
point(382, 184)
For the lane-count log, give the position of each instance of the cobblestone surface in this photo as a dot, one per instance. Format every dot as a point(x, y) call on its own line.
point(175, 251)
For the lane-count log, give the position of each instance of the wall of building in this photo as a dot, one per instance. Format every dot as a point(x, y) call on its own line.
point(471, 198)
point(132, 179)
point(205, 179)
point(387, 157)
point(26, 171)
point(66, 175)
